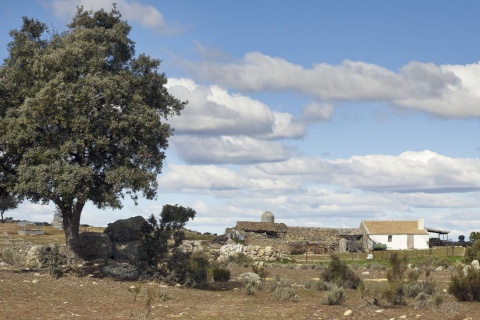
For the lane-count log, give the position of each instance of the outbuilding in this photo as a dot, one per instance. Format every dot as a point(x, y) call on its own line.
point(394, 234)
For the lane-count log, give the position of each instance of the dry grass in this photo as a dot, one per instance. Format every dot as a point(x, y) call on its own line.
point(36, 295)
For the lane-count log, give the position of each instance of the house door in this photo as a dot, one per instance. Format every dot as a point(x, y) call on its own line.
point(410, 241)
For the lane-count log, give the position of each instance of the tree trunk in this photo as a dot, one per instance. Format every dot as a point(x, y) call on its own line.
point(71, 226)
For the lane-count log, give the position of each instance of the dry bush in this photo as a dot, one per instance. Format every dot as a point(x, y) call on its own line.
point(335, 296)
point(465, 286)
point(12, 257)
point(339, 273)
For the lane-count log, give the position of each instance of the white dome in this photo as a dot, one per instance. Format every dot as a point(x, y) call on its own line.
point(267, 216)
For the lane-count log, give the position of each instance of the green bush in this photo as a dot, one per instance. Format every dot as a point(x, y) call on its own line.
point(394, 294)
point(285, 294)
point(250, 288)
point(398, 266)
point(465, 287)
point(339, 273)
point(336, 296)
point(318, 285)
point(240, 259)
point(54, 262)
point(472, 253)
point(261, 271)
point(220, 274)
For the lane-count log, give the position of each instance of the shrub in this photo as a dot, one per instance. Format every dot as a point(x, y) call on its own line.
point(394, 294)
point(250, 288)
point(261, 271)
point(285, 294)
point(465, 286)
point(12, 257)
point(220, 274)
point(339, 273)
point(398, 266)
point(472, 253)
point(54, 262)
point(336, 296)
point(321, 285)
point(240, 259)
point(197, 272)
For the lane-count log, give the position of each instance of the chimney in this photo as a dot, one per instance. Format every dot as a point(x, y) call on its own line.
point(421, 224)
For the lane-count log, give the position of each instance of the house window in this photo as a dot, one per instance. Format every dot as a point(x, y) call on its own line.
point(389, 238)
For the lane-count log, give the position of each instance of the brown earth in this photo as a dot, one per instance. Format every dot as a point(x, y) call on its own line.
point(34, 294)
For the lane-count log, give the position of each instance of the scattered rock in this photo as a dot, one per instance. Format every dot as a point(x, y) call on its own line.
point(348, 313)
point(119, 270)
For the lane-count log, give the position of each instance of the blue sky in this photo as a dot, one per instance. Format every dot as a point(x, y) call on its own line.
point(324, 112)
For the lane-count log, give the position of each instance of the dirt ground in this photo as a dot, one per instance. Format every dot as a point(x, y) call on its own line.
point(34, 294)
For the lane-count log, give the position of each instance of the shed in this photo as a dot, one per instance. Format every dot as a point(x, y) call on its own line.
point(395, 234)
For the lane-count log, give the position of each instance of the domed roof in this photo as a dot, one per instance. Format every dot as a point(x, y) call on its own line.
point(267, 216)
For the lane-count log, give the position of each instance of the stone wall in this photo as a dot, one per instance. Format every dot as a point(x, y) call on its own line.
point(300, 239)
point(316, 234)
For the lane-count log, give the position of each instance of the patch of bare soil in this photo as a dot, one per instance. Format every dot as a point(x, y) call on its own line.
point(36, 295)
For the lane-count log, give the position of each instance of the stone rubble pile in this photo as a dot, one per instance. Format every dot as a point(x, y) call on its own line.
point(257, 253)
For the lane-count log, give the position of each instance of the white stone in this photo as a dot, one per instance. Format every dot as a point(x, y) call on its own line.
point(348, 313)
point(402, 317)
point(475, 264)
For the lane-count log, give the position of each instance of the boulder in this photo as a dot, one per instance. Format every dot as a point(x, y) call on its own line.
point(94, 245)
point(127, 251)
point(126, 229)
point(120, 270)
point(37, 256)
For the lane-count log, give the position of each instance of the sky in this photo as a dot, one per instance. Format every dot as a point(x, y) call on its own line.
point(325, 113)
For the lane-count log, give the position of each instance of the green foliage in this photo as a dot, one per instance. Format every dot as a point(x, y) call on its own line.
point(465, 286)
point(318, 285)
point(285, 293)
point(82, 118)
point(261, 271)
point(339, 273)
point(394, 294)
point(398, 266)
point(474, 236)
point(250, 288)
point(160, 252)
point(54, 262)
point(473, 252)
point(220, 274)
point(7, 202)
point(336, 296)
point(240, 259)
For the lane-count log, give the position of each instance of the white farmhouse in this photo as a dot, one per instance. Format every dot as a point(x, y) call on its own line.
point(395, 235)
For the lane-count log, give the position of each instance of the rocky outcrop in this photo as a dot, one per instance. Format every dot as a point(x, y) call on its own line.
point(94, 245)
point(124, 230)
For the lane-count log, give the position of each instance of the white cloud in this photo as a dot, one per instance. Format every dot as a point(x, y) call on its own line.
point(214, 111)
point(229, 149)
point(146, 15)
point(447, 90)
point(423, 171)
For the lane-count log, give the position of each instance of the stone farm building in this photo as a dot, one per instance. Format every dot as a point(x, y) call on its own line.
point(394, 235)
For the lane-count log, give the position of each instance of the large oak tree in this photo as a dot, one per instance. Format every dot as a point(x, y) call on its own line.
point(82, 118)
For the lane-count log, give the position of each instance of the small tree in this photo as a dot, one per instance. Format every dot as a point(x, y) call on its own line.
point(474, 236)
point(82, 117)
point(161, 252)
point(7, 202)
point(461, 238)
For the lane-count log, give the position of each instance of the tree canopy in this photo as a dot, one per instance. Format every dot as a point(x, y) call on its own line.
point(82, 117)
